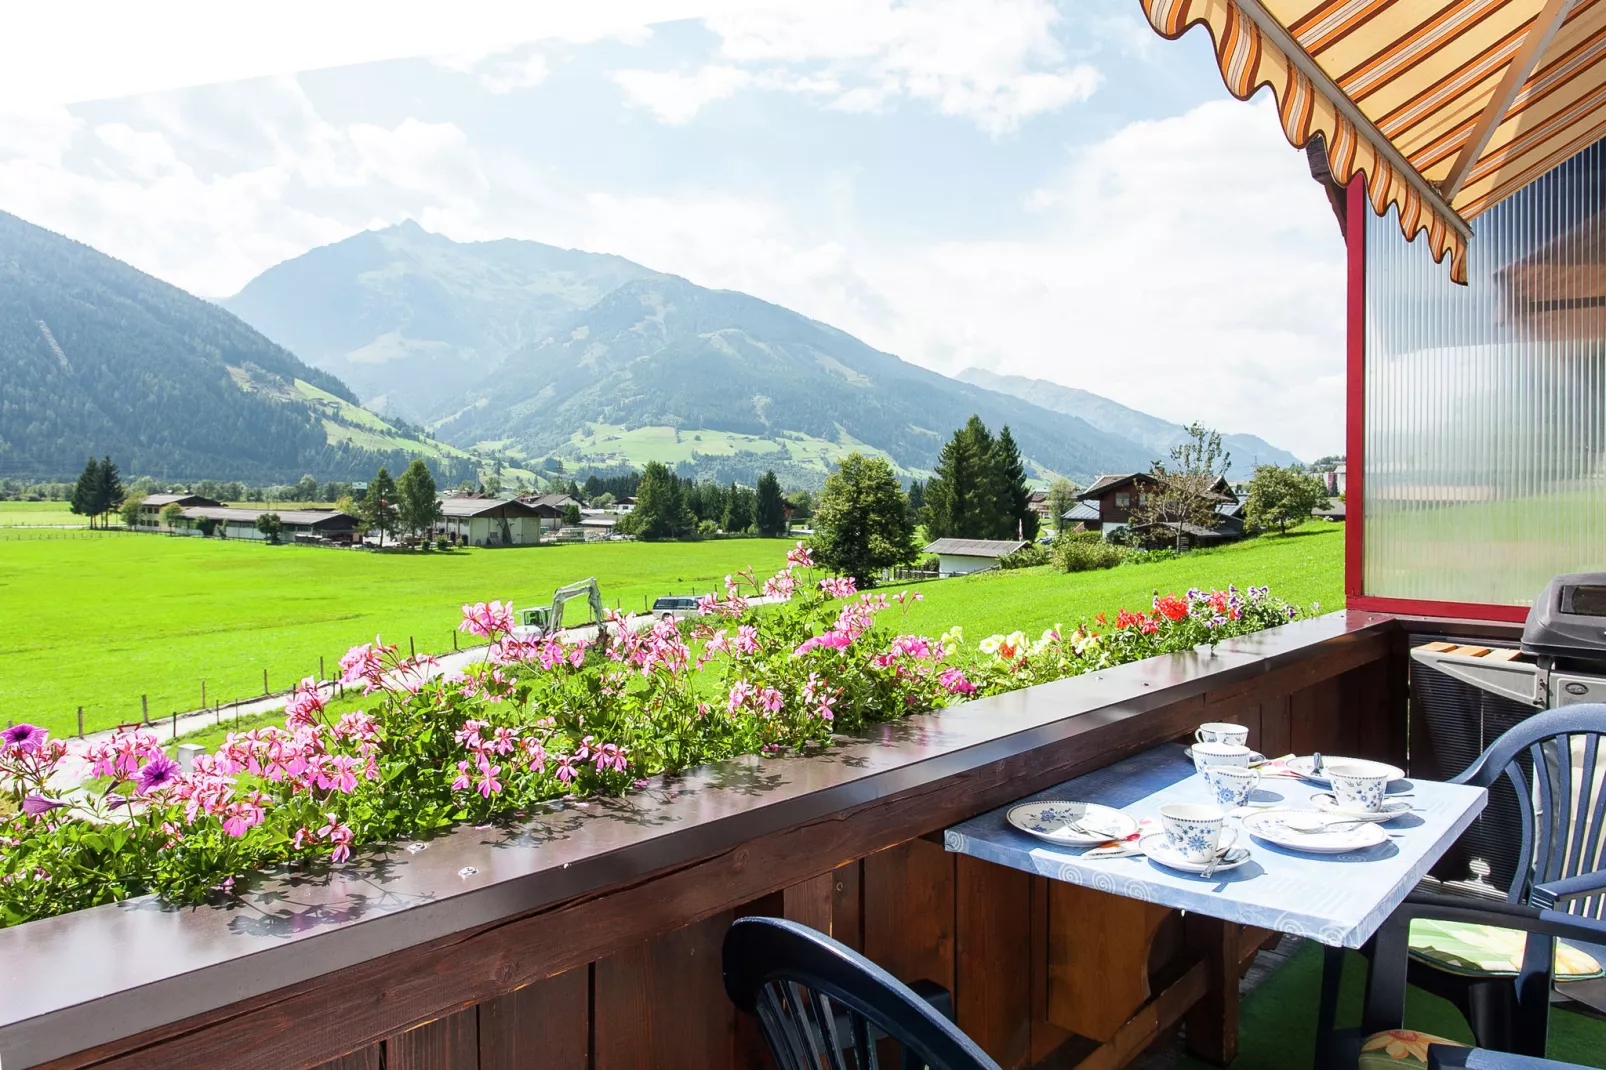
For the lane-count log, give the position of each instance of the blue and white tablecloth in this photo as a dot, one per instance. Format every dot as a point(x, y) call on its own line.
point(1339, 900)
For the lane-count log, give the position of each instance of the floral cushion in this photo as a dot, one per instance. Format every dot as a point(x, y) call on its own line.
point(1397, 1049)
point(1470, 950)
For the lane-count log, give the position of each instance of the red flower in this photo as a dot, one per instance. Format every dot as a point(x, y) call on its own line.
point(1172, 607)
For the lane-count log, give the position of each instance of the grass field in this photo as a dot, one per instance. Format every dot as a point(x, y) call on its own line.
point(39, 514)
point(100, 621)
point(1303, 566)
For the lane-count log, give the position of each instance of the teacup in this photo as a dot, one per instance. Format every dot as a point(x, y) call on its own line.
point(1209, 755)
point(1358, 785)
point(1231, 785)
point(1222, 732)
point(1194, 831)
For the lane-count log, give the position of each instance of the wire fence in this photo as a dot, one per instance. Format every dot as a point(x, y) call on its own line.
point(34, 532)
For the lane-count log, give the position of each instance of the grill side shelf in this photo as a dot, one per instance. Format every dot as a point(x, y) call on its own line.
point(1496, 671)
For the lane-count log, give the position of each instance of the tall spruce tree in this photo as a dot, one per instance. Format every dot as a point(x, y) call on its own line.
point(661, 511)
point(771, 507)
point(1016, 519)
point(739, 506)
point(968, 497)
point(379, 505)
point(82, 502)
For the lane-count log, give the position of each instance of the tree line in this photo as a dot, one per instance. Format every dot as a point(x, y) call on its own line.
point(669, 506)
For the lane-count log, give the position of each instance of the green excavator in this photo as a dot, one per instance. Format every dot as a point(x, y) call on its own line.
point(550, 618)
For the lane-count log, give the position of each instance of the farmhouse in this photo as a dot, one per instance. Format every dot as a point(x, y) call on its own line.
point(150, 509)
point(1108, 503)
point(231, 523)
point(958, 557)
point(491, 521)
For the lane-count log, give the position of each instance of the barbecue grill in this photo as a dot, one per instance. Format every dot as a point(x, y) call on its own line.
point(1562, 657)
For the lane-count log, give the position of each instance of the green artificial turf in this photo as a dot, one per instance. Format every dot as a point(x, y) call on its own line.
point(1277, 1024)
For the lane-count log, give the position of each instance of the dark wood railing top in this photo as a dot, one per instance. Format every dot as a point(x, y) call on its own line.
point(89, 978)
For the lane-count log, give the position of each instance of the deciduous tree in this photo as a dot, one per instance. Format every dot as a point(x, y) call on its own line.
point(1184, 490)
point(417, 506)
point(1282, 496)
point(1061, 500)
point(862, 523)
point(270, 525)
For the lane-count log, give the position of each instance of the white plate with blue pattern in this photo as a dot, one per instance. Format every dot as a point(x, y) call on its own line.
point(1072, 824)
point(1305, 830)
point(1327, 802)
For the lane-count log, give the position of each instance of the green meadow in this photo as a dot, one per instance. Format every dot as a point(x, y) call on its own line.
point(100, 621)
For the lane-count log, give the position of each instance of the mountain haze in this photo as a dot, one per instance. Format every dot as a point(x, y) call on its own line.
point(407, 317)
point(1150, 432)
point(97, 358)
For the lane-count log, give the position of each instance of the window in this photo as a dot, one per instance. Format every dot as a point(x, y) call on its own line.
point(1123, 499)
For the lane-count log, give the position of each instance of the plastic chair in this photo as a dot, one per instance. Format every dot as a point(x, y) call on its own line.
point(1445, 1057)
point(1559, 861)
point(823, 1006)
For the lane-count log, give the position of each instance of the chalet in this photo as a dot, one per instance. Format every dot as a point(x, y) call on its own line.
point(958, 557)
point(150, 509)
point(230, 523)
point(1038, 503)
point(1114, 497)
point(483, 521)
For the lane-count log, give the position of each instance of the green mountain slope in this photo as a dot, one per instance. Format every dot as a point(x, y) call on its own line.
point(99, 358)
point(407, 317)
point(661, 352)
point(1151, 432)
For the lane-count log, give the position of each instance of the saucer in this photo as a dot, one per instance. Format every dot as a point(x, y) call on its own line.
point(1155, 847)
point(1255, 757)
point(1048, 818)
point(1301, 767)
point(1272, 826)
point(1327, 803)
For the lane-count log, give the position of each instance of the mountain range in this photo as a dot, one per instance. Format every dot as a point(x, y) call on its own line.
point(507, 352)
point(99, 358)
point(535, 351)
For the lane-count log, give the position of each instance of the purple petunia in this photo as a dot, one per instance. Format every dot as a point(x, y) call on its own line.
point(24, 737)
point(36, 804)
point(157, 773)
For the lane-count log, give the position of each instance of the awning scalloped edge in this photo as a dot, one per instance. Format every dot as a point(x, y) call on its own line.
point(1249, 60)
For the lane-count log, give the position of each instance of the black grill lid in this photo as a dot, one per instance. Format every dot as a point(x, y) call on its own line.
point(1569, 619)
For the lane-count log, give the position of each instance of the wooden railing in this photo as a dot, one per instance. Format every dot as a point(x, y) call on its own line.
point(589, 937)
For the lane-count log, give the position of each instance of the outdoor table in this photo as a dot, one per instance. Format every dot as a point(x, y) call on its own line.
point(1112, 907)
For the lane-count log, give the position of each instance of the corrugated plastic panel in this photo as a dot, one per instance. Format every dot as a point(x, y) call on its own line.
point(1485, 423)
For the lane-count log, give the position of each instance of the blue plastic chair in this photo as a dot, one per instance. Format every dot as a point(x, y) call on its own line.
point(1559, 863)
point(824, 1006)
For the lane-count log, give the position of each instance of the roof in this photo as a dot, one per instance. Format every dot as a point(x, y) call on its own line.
point(296, 517)
point(1229, 508)
point(156, 501)
point(975, 547)
point(1082, 511)
point(1104, 484)
point(467, 507)
point(1187, 529)
point(555, 499)
point(1447, 106)
point(599, 520)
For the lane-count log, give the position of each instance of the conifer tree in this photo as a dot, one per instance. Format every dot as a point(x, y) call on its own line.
point(1015, 518)
point(379, 505)
point(771, 509)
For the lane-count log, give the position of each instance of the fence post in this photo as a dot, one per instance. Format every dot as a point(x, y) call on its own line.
point(411, 648)
point(320, 666)
point(265, 690)
point(454, 639)
point(145, 709)
point(175, 724)
point(80, 722)
point(203, 692)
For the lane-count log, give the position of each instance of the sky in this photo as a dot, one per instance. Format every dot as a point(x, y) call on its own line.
point(1038, 188)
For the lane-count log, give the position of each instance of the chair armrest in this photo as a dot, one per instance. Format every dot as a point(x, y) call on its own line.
point(1552, 892)
point(1529, 918)
point(1452, 1057)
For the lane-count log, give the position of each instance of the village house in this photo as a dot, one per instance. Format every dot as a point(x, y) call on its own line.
point(1108, 503)
point(959, 557)
point(231, 523)
point(480, 521)
point(150, 509)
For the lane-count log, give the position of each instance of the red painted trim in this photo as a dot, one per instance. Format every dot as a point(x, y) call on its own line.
point(1421, 607)
point(1356, 211)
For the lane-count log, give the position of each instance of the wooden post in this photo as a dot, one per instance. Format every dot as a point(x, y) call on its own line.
point(454, 639)
point(80, 722)
point(412, 649)
point(203, 692)
point(145, 709)
point(1213, 1022)
point(265, 690)
point(175, 724)
point(320, 667)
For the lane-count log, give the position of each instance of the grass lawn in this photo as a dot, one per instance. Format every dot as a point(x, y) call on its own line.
point(1304, 566)
point(100, 621)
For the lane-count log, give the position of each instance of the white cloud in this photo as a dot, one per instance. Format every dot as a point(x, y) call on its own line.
point(995, 64)
point(675, 97)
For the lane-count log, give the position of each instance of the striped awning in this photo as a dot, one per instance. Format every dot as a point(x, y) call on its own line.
point(1446, 106)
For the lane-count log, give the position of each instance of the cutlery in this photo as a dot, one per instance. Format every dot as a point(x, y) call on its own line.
point(1316, 764)
point(1216, 861)
point(1320, 827)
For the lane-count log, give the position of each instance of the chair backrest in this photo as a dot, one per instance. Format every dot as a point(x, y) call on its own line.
point(1564, 809)
point(822, 1005)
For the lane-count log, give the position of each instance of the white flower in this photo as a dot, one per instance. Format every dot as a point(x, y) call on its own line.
point(991, 644)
